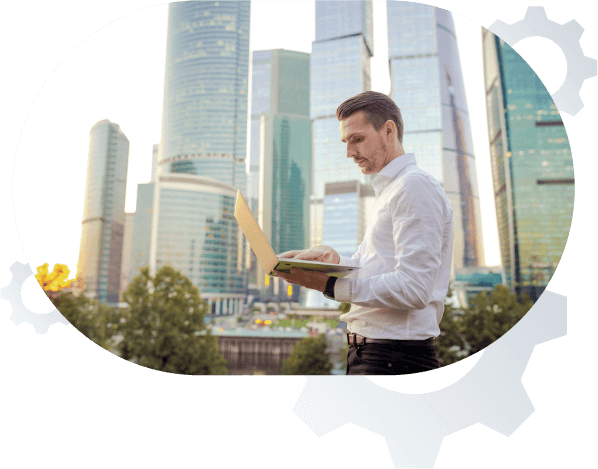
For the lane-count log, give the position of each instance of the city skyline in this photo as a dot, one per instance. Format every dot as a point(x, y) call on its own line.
point(149, 62)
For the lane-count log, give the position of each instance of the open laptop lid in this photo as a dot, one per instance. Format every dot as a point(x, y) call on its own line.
point(266, 255)
point(254, 234)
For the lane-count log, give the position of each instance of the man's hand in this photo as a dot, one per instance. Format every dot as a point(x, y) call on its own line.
point(318, 254)
point(305, 278)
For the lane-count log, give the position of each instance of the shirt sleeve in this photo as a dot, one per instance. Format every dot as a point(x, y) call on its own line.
point(418, 219)
point(355, 259)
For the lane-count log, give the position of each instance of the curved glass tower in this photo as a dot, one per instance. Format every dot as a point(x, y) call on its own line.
point(427, 85)
point(202, 150)
point(532, 168)
point(204, 118)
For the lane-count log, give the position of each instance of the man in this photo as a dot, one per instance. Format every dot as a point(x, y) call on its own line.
point(405, 258)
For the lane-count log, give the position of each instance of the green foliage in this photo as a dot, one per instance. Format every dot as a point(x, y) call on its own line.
point(163, 327)
point(492, 316)
point(451, 345)
point(466, 332)
point(308, 357)
point(97, 321)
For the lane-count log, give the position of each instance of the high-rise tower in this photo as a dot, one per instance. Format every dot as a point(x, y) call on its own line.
point(532, 168)
point(427, 85)
point(340, 69)
point(204, 117)
point(280, 150)
point(104, 212)
point(204, 136)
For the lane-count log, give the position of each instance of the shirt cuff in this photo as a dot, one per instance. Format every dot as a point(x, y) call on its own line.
point(342, 289)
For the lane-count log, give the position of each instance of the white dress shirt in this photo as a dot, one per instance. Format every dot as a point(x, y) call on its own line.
point(405, 257)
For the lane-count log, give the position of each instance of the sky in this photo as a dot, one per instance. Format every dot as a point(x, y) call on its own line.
point(117, 73)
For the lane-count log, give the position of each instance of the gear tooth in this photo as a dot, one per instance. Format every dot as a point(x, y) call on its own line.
point(568, 102)
point(574, 29)
point(590, 67)
point(17, 318)
point(535, 14)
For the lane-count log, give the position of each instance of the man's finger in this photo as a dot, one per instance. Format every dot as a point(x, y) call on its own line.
point(289, 254)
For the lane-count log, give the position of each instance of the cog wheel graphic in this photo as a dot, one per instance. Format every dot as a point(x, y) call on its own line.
point(566, 36)
point(414, 425)
point(20, 312)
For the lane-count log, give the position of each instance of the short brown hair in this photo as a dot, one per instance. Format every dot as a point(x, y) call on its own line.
point(377, 107)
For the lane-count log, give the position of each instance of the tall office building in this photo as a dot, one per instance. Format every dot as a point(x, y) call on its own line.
point(142, 228)
point(154, 170)
point(339, 69)
point(427, 85)
point(103, 213)
point(125, 264)
point(280, 150)
point(203, 143)
point(204, 117)
point(532, 168)
point(194, 231)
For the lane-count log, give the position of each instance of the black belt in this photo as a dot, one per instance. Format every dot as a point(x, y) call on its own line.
point(356, 339)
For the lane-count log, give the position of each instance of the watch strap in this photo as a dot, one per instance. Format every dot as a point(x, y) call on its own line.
point(329, 290)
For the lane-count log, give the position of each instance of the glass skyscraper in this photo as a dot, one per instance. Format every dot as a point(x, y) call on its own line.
point(280, 166)
point(204, 118)
point(339, 69)
point(532, 168)
point(102, 232)
point(203, 149)
point(427, 85)
point(195, 232)
point(142, 228)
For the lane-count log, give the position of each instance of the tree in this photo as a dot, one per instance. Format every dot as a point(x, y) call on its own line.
point(163, 327)
point(97, 321)
point(451, 345)
point(492, 316)
point(308, 357)
point(55, 281)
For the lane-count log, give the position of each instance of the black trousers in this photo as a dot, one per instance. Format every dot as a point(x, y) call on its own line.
point(390, 359)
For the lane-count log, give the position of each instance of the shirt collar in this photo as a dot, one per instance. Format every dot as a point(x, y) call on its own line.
point(390, 171)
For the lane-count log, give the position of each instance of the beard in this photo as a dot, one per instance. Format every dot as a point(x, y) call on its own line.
point(376, 160)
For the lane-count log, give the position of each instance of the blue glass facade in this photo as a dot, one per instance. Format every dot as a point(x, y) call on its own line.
point(203, 147)
point(427, 85)
point(471, 281)
point(532, 168)
point(286, 175)
point(280, 151)
point(196, 233)
point(204, 120)
point(341, 210)
point(339, 69)
point(100, 252)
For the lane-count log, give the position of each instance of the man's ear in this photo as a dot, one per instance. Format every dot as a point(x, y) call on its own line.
point(390, 128)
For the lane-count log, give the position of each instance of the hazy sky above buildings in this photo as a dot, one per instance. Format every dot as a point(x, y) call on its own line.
point(118, 74)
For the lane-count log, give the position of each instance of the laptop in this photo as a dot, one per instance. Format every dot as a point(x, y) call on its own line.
point(265, 254)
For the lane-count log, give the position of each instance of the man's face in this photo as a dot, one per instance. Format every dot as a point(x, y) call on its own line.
point(365, 145)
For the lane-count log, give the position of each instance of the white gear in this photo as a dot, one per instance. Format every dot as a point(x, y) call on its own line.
point(414, 425)
point(566, 36)
point(20, 312)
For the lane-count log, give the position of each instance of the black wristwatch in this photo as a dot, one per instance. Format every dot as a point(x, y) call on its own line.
point(329, 290)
